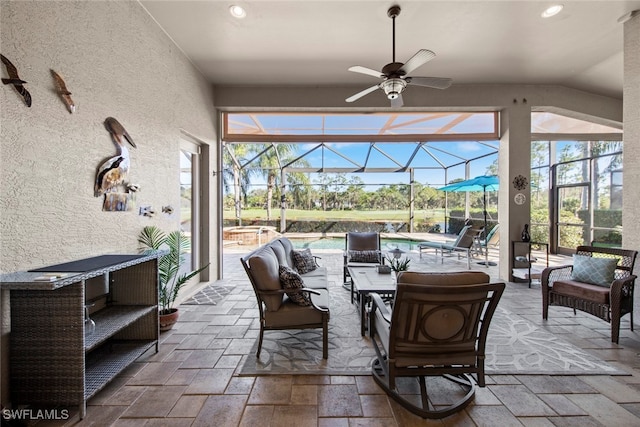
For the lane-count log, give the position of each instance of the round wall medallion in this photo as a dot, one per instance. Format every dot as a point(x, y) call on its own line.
point(520, 199)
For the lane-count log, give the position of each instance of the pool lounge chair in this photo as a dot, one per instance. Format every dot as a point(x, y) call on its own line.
point(464, 244)
point(492, 240)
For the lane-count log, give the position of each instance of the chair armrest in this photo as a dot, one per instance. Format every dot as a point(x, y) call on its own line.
point(378, 303)
point(315, 259)
point(315, 292)
point(620, 286)
point(560, 272)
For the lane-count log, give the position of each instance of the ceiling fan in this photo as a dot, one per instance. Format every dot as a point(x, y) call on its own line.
point(394, 75)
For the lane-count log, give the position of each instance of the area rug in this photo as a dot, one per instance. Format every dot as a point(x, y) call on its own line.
point(211, 294)
point(514, 346)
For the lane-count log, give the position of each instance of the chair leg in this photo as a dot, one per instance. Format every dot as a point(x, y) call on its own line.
point(260, 341)
point(325, 338)
point(615, 327)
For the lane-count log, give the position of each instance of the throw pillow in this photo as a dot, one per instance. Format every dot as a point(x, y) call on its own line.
point(303, 261)
point(364, 256)
point(597, 271)
point(292, 280)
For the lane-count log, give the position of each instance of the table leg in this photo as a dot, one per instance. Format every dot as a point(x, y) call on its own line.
point(362, 300)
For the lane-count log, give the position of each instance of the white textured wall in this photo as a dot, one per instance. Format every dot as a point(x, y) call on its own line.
point(117, 62)
point(631, 195)
point(631, 161)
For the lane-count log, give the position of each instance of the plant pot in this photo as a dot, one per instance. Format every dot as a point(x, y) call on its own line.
point(169, 319)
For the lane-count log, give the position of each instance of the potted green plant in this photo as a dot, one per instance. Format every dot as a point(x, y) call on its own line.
point(169, 266)
point(398, 264)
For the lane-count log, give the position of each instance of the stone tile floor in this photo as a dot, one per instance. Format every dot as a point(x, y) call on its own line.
point(193, 379)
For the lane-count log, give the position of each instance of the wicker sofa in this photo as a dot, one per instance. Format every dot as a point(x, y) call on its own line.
point(277, 309)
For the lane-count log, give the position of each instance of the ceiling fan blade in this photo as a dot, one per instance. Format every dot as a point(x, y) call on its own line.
point(433, 82)
point(420, 58)
point(367, 71)
point(361, 93)
point(398, 102)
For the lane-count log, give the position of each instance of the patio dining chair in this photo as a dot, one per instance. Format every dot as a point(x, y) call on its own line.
point(361, 249)
point(437, 328)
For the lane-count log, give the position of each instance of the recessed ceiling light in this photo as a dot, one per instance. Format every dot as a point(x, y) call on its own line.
point(552, 11)
point(237, 11)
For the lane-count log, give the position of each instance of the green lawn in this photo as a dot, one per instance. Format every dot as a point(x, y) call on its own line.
point(436, 215)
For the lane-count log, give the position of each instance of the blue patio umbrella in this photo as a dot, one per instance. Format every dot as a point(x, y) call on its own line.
point(479, 183)
point(482, 183)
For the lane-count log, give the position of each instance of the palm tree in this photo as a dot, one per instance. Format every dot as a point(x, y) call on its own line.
point(270, 160)
point(299, 189)
point(233, 157)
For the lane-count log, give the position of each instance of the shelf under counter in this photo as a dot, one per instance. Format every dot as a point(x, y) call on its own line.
point(112, 320)
point(109, 360)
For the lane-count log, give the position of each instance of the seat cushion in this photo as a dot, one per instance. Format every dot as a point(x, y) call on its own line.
point(314, 282)
point(290, 279)
point(430, 245)
point(586, 291)
point(594, 270)
point(320, 272)
point(292, 314)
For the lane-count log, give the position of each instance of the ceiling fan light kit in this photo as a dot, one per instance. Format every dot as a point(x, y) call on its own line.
point(393, 87)
point(394, 74)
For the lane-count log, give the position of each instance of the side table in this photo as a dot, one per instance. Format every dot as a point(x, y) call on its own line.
point(522, 262)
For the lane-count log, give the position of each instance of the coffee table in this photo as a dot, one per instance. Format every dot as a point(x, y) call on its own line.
point(367, 280)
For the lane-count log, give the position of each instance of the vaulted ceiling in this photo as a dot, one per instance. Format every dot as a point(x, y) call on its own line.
point(308, 42)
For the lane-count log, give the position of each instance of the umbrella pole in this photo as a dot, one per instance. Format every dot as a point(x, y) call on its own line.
point(484, 231)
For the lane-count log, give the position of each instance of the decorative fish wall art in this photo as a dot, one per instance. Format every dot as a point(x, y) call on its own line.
point(61, 87)
point(15, 80)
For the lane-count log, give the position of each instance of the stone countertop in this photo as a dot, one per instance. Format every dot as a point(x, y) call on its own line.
point(34, 280)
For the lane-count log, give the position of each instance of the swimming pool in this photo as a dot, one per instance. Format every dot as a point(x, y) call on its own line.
point(338, 243)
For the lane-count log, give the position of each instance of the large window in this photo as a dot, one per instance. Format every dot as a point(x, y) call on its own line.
point(576, 193)
point(338, 166)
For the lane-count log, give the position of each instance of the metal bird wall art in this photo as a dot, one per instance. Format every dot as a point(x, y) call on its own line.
point(61, 87)
point(113, 171)
point(15, 80)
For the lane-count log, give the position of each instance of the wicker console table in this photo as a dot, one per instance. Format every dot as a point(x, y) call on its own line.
point(53, 360)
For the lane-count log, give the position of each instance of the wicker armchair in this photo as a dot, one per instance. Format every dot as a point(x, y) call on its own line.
point(437, 328)
point(608, 303)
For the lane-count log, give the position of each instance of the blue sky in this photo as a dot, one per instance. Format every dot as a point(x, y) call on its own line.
point(427, 162)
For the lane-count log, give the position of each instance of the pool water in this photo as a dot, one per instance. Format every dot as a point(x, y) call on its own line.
point(338, 243)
